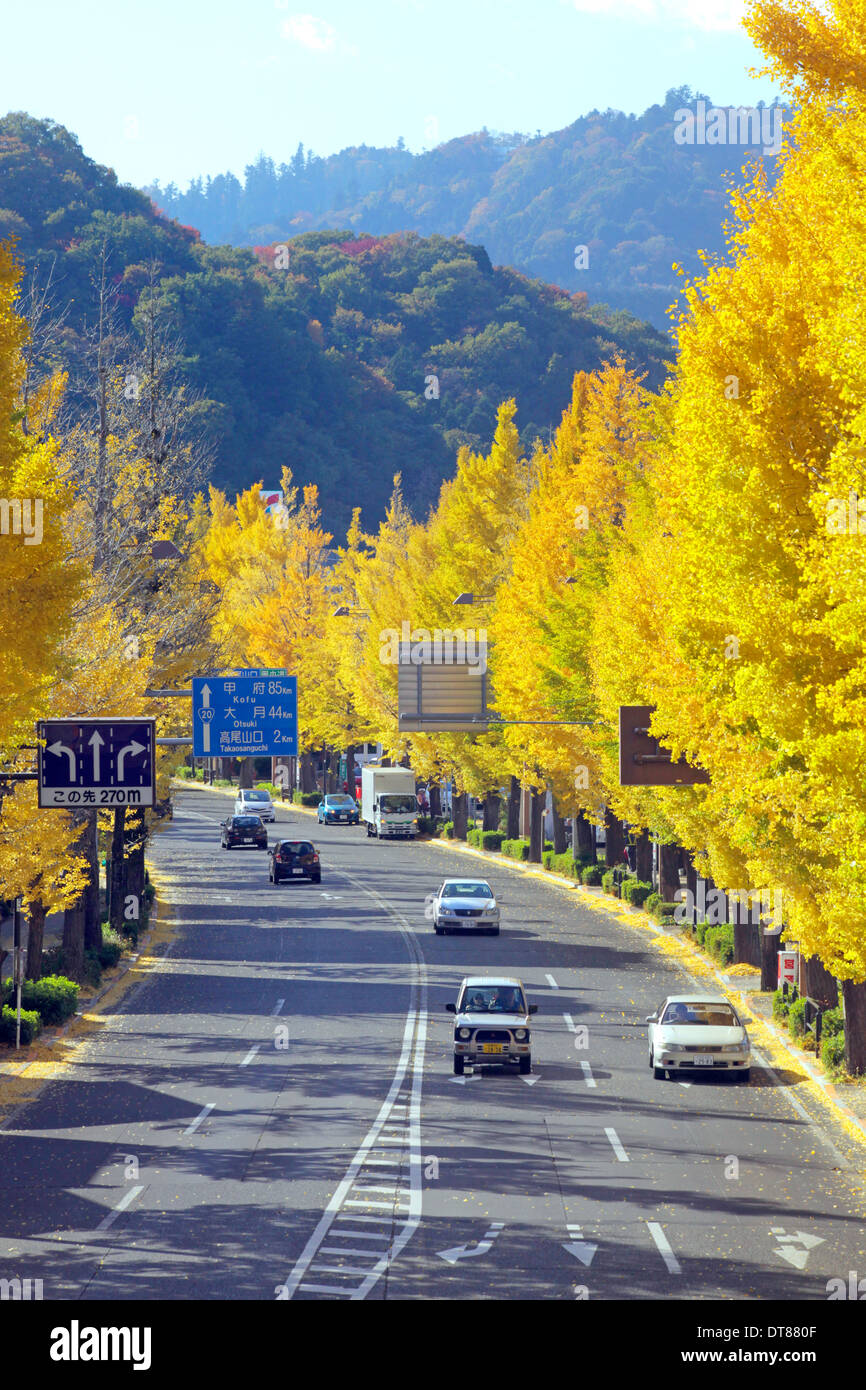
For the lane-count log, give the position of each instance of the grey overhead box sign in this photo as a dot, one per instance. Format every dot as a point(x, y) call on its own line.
point(443, 690)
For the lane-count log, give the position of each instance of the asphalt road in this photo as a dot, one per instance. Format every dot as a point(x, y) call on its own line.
point(273, 1114)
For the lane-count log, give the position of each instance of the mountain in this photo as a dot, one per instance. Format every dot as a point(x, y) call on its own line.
point(348, 357)
point(620, 185)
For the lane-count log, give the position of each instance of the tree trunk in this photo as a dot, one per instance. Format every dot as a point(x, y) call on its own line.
point(670, 857)
point(513, 809)
point(350, 769)
point(117, 869)
point(747, 939)
point(560, 842)
point(460, 814)
point(644, 857)
point(35, 933)
point(692, 886)
point(614, 840)
point(92, 924)
point(536, 825)
point(854, 998)
point(819, 984)
point(490, 820)
point(583, 839)
point(247, 774)
point(73, 941)
point(135, 865)
point(308, 778)
point(434, 795)
point(770, 944)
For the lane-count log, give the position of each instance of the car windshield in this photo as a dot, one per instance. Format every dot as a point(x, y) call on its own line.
point(466, 890)
point(396, 803)
point(255, 796)
point(296, 847)
point(339, 801)
point(492, 999)
point(247, 822)
point(697, 1012)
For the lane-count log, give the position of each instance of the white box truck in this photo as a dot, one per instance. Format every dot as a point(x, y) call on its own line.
point(389, 807)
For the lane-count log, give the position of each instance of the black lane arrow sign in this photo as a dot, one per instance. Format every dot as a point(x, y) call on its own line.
point(96, 762)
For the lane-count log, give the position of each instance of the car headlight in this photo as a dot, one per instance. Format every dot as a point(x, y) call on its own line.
point(520, 1034)
point(672, 1047)
point(735, 1047)
point(464, 1033)
point(491, 911)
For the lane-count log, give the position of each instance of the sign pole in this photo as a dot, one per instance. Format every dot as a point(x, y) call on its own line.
point(16, 965)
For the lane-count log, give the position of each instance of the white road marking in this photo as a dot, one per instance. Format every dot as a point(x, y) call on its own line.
point(124, 1202)
point(587, 1075)
point(684, 1084)
point(550, 980)
point(672, 1264)
point(797, 1258)
point(250, 1055)
point(463, 1252)
point(277, 1007)
point(581, 1250)
point(530, 1080)
point(616, 1145)
point(569, 1023)
point(191, 1129)
point(405, 1212)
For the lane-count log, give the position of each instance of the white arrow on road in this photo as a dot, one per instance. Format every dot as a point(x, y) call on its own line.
point(530, 1080)
point(134, 748)
point(463, 1252)
point(58, 748)
point(96, 741)
point(580, 1249)
point(797, 1258)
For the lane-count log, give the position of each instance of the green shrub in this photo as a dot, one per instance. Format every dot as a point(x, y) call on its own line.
point(300, 798)
point(31, 1026)
point(271, 788)
point(547, 859)
point(186, 773)
point(781, 1005)
point(561, 863)
point(655, 905)
point(651, 903)
point(833, 1050)
point(427, 825)
point(516, 849)
point(609, 884)
point(592, 875)
point(797, 1018)
point(832, 1023)
point(473, 837)
point(111, 949)
point(636, 892)
point(54, 997)
point(447, 831)
point(491, 839)
point(719, 941)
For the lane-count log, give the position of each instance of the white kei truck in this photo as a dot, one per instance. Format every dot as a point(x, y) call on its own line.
point(389, 807)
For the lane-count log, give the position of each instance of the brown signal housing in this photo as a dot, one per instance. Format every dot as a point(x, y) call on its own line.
point(642, 760)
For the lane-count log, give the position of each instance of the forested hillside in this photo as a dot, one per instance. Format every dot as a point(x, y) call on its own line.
point(619, 184)
point(347, 358)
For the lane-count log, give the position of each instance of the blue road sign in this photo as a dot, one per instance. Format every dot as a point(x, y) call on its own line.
point(96, 762)
point(249, 715)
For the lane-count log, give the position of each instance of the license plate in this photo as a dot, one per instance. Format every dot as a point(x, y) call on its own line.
point(703, 1061)
point(248, 839)
point(492, 1047)
point(297, 871)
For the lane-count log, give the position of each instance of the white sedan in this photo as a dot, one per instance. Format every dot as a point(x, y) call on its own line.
point(464, 904)
point(698, 1032)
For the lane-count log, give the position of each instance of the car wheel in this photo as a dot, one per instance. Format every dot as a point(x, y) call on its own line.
point(493, 931)
point(315, 878)
point(659, 1073)
point(525, 1065)
point(458, 1065)
point(438, 930)
point(745, 1075)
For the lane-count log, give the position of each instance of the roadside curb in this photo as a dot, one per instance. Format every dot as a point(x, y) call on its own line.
point(632, 916)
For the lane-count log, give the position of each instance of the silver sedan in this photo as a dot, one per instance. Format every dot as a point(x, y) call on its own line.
point(464, 904)
point(698, 1032)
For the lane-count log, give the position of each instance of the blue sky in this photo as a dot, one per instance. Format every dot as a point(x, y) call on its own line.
point(175, 88)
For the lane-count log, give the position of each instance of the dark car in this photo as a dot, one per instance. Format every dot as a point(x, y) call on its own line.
point(294, 859)
point(338, 807)
point(243, 830)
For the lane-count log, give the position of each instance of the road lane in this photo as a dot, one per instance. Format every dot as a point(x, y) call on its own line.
point(237, 1086)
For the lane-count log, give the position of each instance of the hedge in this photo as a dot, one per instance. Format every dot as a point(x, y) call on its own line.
point(833, 1050)
point(111, 950)
point(609, 883)
point(447, 831)
point(658, 908)
point(492, 839)
point(31, 1026)
point(54, 997)
point(306, 798)
point(719, 941)
point(516, 849)
point(473, 837)
point(427, 825)
point(592, 875)
point(635, 891)
point(797, 1018)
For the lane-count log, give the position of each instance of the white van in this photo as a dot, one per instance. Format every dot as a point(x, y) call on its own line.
point(256, 802)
